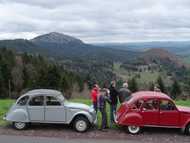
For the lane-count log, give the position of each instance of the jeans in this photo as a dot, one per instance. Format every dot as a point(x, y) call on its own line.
point(95, 106)
point(104, 118)
point(113, 109)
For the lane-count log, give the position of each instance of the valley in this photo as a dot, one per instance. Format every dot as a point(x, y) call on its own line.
point(103, 63)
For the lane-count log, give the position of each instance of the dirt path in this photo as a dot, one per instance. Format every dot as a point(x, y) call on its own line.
point(149, 135)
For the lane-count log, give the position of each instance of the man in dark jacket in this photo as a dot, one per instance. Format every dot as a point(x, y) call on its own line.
point(114, 101)
point(102, 99)
point(124, 92)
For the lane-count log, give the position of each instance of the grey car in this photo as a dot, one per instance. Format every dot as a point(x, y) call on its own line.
point(49, 106)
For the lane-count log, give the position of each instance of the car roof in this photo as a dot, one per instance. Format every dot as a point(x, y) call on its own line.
point(44, 92)
point(149, 94)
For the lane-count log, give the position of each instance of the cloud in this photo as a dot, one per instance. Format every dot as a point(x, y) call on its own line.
point(97, 21)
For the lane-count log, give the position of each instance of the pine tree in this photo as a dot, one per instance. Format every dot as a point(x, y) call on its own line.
point(53, 77)
point(161, 84)
point(175, 90)
point(151, 86)
point(133, 86)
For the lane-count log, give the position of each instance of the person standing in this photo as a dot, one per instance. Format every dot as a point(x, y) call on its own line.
point(102, 99)
point(114, 101)
point(94, 96)
point(124, 92)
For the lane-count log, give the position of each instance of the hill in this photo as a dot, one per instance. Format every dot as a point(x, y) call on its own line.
point(181, 48)
point(62, 46)
point(161, 56)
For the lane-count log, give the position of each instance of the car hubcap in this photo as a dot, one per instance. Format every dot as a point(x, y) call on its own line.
point(133, 129)
point(81, 126)
point(19, 125)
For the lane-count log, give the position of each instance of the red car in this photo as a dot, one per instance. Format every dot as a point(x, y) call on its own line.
point(152, 109)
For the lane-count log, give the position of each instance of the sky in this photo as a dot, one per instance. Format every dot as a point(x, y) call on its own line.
point(97, 21)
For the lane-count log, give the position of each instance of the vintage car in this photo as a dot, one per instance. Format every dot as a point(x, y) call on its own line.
point(49, 106)
point(152, 109)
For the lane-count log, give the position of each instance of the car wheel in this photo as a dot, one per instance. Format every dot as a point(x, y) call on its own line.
point(187, 129)
point(81, 124)
point(134, 129)
point(19, 125)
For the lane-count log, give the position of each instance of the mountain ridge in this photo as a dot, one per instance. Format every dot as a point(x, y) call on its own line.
point(61, 45)
point(55, 37)
point(64, 46)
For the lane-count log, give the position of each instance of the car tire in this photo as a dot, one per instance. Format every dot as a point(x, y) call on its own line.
point(187, 129)
point(134, 129)
point(19, 125)
point(81, 124)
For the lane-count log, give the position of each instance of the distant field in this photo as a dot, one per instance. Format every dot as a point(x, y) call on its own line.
point(186, 59)
point(144, 77)
point(5, 105)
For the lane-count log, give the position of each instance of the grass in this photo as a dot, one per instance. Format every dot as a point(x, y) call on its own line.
point(144, 77)
point(6, 103)
point(186, 59)
point(4, 107)
point(183, 102)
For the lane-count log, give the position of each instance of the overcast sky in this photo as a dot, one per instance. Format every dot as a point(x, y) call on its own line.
point(97, 20)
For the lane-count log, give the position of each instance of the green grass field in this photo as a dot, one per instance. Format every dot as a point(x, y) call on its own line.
point(144, 78)
point(6, 103)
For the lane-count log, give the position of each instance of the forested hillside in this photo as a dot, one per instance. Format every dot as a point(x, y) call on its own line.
point(20, 72)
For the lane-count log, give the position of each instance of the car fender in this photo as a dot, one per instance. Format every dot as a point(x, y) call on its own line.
point(132, 119)
point(82, 113)
point(186, 123)
point(18, 115)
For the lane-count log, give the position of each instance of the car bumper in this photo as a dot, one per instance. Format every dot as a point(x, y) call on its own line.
point(95, 121)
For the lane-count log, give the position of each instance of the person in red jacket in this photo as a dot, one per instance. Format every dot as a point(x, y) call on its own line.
point(94, 96)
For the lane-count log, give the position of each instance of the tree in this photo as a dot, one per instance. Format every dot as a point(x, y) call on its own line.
point(151, 86)
point(161, 84)
point(53, 77)
point(175, 89)
point(17, 78)
point(133, 86)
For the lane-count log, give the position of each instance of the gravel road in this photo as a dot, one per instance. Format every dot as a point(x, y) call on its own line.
point(149, 135)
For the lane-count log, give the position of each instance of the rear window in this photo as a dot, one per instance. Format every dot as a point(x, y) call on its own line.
point(52, 101)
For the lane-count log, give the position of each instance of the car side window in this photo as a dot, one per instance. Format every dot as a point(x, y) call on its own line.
point(23, 101)
point(37, 101)
point(137, 105)
point(52, 101)
point(151, 104)
point(167, 105)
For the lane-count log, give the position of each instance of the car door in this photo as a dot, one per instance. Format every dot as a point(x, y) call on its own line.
point(36, 108)
point(169, 115)
point(150, 112)
point(54, 110)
